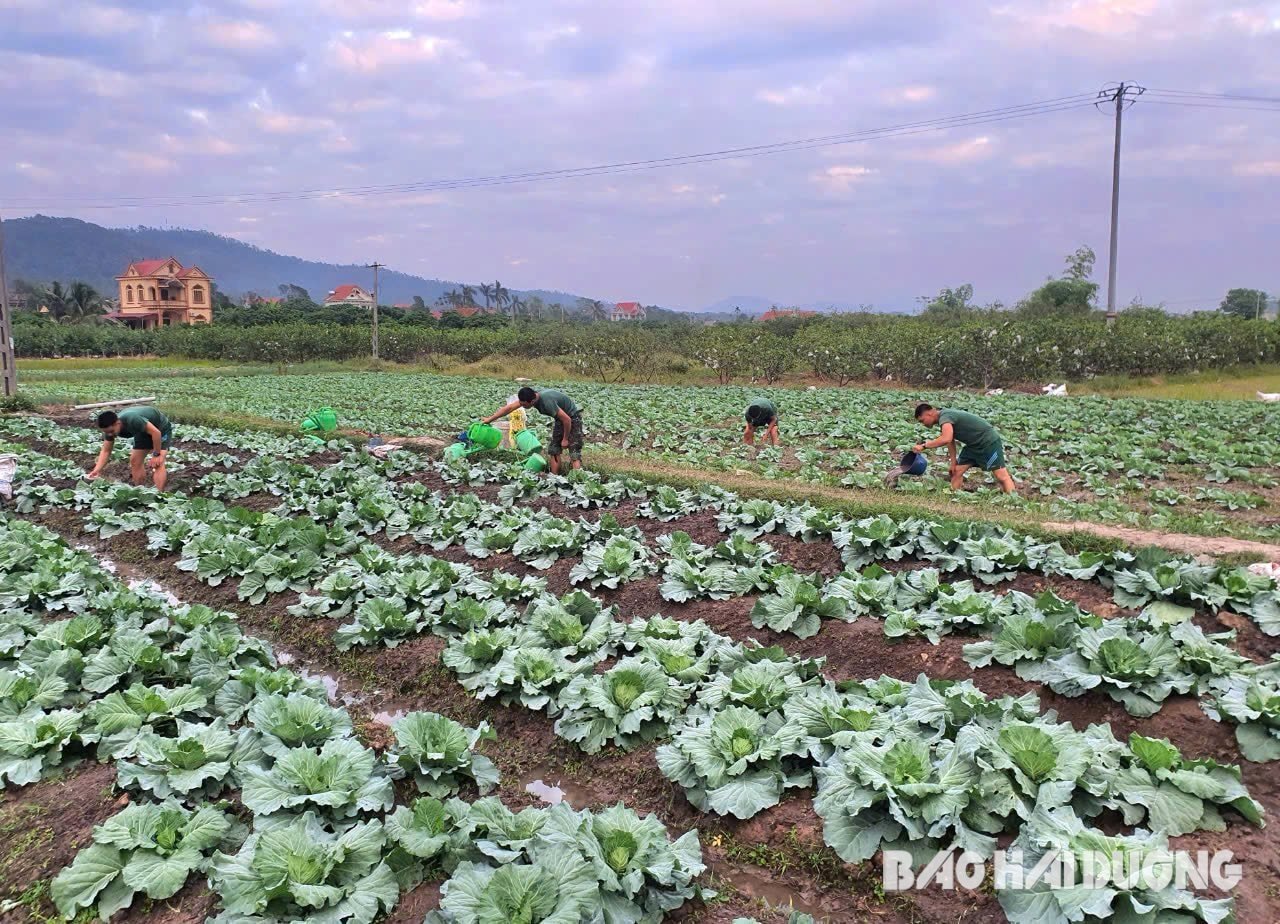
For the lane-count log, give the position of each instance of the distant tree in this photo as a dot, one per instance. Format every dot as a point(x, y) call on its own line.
point(54, 298)
point(1080, 263)
point(518, 305)
point(486, 292)
point(535, 307)
point(221, 301)
point(83, 302)
point(948, 304)
point(290, 292)
point(467, 296)
point(419, 304)
point(592, 309)
point(1073, 294)
point(1245, 303)
point(501, 295)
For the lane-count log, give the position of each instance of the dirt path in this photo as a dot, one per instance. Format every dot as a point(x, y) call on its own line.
point(1174, 542)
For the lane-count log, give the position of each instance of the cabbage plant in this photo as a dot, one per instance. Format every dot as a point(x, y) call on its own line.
point(576, 625)
point(797, 605)
point(735, 761)
point(439, 754)
point(628, 705)
point(34, 744)
point(555, 888)
point(296, 720)
point(146, 848)
point(300, 870)
point(199, 760)
point(339, 779)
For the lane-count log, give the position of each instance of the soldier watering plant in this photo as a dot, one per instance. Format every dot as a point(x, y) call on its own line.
point(982, 445)
point(566, 428)
point(761, 413)
point(152, 435)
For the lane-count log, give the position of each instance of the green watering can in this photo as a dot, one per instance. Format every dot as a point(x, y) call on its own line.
point(483, 436)
point(527, 442)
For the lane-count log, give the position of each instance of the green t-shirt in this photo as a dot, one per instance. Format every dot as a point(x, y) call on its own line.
point(134, 420)
point(551, 400)
point(761, 408)
point(971, 430)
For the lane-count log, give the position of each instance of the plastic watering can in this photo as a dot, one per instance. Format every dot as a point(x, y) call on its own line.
point(527, 441)
point(483, 436)
point(535, 463)
point(320, 421)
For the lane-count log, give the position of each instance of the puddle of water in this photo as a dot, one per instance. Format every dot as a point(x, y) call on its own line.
point(550, 789)
point(155, 590)
point(760, 885)
point(551, 795)
point(389, 717)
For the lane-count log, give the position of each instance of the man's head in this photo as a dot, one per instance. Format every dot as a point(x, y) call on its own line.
point(757, 416)
point(109, 423)
point(927, 414)
point(526, 396)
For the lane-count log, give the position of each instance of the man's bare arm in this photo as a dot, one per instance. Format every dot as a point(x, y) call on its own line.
point(502, 412)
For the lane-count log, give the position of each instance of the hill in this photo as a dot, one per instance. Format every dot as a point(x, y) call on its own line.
point(42, 249)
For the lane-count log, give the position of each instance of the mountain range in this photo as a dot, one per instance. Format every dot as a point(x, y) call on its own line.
point(41, 249)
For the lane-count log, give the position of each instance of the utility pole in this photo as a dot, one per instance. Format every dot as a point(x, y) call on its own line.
point(375, 266)
point(1257, 307)
point(8, 369)
point(1122, 95)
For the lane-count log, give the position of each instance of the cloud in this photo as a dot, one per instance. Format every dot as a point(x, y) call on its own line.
point(240, 35)
point(913, 94)
point(841, 178)
point(391, 50)
point(958, 152)
point(1258, 168)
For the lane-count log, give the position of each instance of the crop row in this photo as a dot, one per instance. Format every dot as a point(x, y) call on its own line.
point(192, 711)
point(737, 739)
point(1087, 457)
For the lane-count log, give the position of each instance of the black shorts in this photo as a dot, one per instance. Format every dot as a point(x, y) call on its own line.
point(576, 437)
point(143, 443)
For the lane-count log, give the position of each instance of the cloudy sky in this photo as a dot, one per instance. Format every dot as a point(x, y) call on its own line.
point(164, 102)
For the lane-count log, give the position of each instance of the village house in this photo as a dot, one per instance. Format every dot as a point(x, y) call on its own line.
point(162, 293)
point(627, 311)
point(775, 313)
point(349, 295)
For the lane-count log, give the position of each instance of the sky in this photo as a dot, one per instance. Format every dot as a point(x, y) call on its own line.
point(199, 115)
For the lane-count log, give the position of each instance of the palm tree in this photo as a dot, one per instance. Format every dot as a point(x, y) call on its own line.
point(486, 292)
point(598, 312)
point(83, 301)
point(501, 295)
point(53, 297)
point(468, 295)
point(518, 305)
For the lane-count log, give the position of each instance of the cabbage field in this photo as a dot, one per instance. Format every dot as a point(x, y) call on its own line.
point(1208, 468)
point(308, 684)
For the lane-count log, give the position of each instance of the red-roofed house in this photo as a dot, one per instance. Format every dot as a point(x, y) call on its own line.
point(160, 293)
point(627, 311)
point(349, 295)
point(774, 313)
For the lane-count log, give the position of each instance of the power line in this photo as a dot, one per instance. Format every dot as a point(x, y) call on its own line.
point(1226, 96)
point(1207, 105)
point(974, 119)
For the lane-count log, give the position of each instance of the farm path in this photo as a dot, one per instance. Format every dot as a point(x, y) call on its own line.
point(1174, 542)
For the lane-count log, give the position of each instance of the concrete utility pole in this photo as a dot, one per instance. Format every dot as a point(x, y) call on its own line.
point(1122, 95)
point(375, 266)
point(8, 370)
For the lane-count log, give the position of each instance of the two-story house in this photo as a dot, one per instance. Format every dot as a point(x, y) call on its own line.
point(628, 311)
point(161, 293)
point(349, 295)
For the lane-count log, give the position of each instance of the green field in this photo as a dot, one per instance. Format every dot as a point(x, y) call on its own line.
point(1191, 466)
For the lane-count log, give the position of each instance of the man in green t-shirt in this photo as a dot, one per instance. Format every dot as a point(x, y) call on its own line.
point(150, 431)
point(566, 429)
point(761, 413)
point(982, 444)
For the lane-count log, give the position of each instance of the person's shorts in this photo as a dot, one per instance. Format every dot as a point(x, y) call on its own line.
point(143, 443)
point(576, 437)
point(987, 460)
